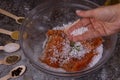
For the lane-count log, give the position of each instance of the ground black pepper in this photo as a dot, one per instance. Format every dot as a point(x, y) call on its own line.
point(12, 59)
point(17, 72)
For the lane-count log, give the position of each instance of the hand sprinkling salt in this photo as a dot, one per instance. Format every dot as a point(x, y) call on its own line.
point(79, 30)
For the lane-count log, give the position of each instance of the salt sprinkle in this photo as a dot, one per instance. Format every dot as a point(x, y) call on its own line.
point(79, 31)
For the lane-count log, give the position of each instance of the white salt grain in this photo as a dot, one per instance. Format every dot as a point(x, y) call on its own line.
point(79, 31)
point(63, 27)
point(97, 57)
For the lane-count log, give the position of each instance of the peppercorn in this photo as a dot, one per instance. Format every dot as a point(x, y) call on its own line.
point(17, 72)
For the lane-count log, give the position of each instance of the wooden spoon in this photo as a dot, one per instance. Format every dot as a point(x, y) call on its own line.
point(19, 20)
point(10, 47)
point(12, 34)
point(9, 60)
point(15, 72)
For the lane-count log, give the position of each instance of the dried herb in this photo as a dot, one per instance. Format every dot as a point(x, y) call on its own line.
point(77, 48)
point(12, 59)
point(72, 43)
point(17, 72)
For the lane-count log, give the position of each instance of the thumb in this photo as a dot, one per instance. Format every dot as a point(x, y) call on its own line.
point(88, 13)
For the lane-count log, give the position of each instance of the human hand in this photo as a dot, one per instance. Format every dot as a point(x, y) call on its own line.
point(103, 21)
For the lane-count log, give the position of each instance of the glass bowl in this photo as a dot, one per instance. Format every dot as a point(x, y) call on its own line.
point(51, 14)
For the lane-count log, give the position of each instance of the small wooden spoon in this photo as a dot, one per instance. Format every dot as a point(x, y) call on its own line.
point(12, 34)
point(9, 60)
point(10, 47)
point(19, 20)
point(14, 73)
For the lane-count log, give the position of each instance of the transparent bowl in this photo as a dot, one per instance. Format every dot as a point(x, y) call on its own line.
point(51, 14)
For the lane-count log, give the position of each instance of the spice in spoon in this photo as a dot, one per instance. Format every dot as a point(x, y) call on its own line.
point(20, 20)
point(12, 59)
point(17, 72)
point(10, 47)
point(15, 35)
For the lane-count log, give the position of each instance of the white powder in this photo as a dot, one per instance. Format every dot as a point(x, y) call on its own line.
point(63, 27)
point(97, 57)
point(79, 31)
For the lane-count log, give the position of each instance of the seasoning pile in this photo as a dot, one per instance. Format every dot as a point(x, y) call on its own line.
point(60, 52)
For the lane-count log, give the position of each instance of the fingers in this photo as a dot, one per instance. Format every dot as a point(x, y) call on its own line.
point(89, 13)
point(77, 24)
point(83, 37)
point(91, 33)
point(101, 13)
point(95, 29)
point(98, 27)
point(86, 36)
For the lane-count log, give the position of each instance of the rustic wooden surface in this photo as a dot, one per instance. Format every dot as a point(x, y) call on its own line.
point(110, 71)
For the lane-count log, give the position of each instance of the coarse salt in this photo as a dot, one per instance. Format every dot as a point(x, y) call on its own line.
point(97, 57)
point(77, 51)
point(79, 31)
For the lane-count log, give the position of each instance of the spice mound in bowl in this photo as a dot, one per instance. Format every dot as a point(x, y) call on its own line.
point(61, 53)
